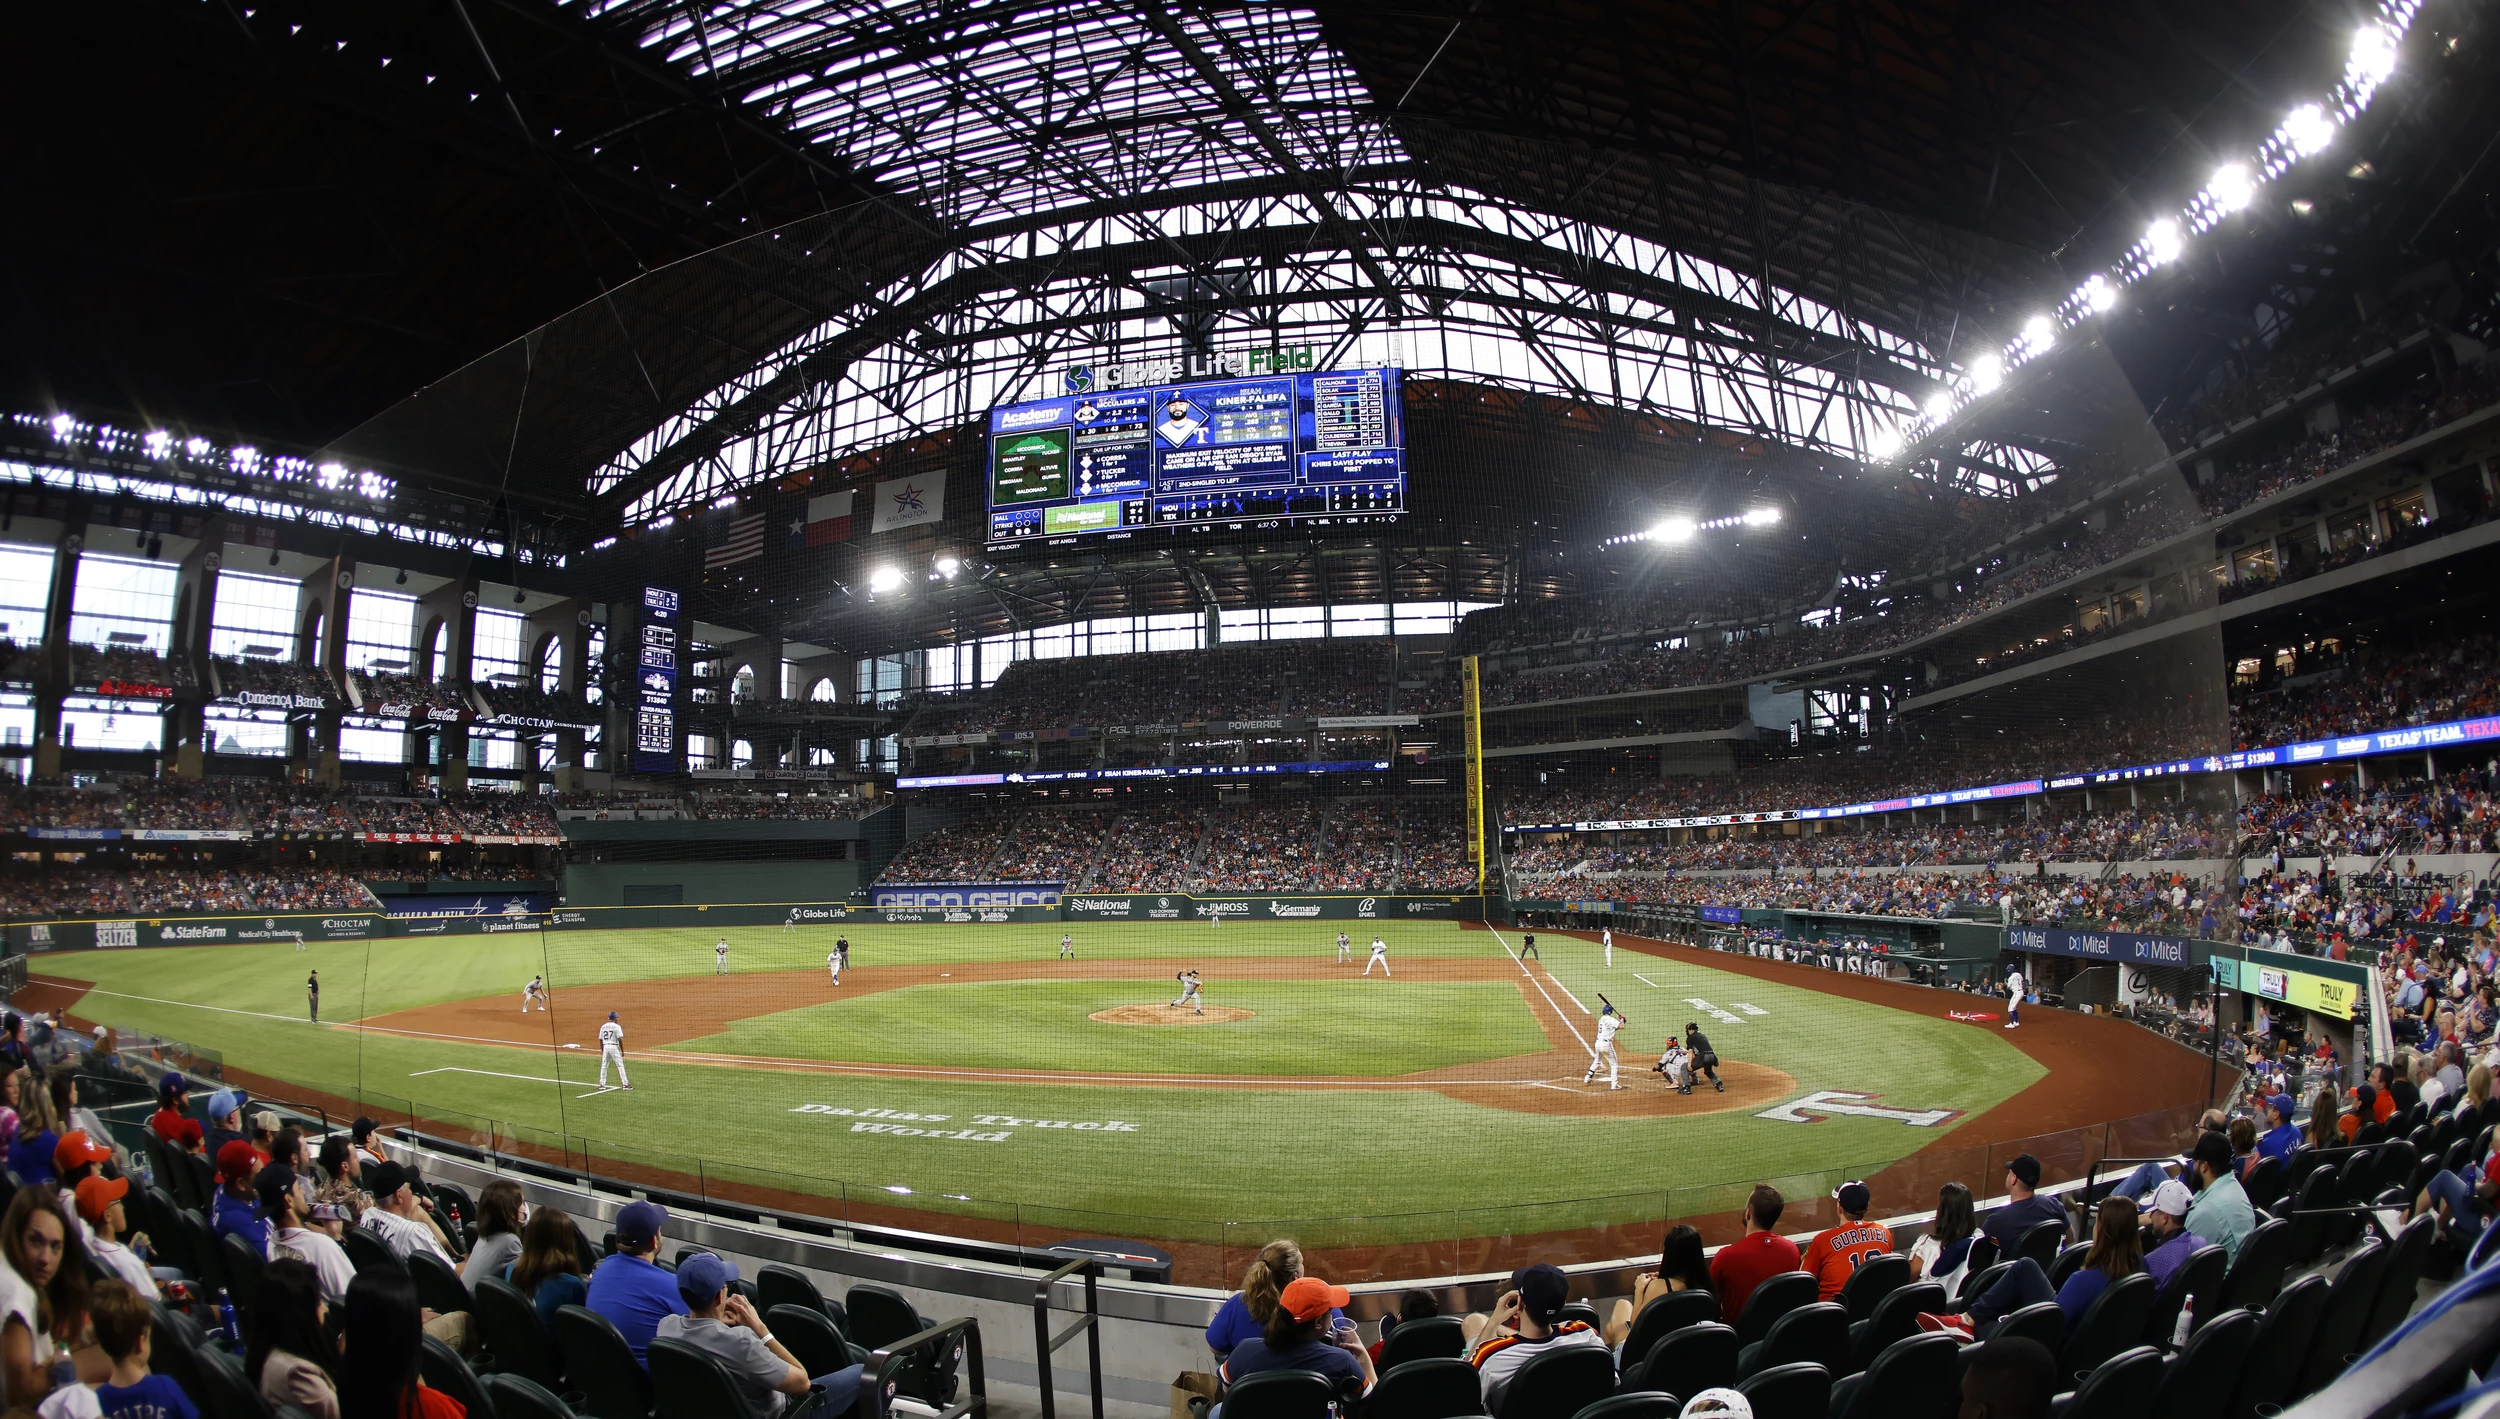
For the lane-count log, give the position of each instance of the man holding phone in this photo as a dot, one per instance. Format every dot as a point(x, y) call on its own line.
point(1534, 1305)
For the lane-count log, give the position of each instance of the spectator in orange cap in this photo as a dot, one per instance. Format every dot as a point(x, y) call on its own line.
point(100, 1207)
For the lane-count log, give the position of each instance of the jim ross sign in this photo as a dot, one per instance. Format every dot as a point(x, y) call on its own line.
point(2124, 946)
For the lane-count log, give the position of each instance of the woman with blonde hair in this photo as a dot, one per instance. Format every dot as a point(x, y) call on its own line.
point(1245, 1314)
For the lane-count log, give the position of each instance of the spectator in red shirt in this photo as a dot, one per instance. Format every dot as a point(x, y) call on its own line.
point(173, 1101)
point(1755, 1258)
point(1836, 1254)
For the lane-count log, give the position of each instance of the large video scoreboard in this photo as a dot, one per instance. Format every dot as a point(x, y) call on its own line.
point(1313, 448)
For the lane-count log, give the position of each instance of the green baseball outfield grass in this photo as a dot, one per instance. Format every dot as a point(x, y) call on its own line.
point(1443, 1101)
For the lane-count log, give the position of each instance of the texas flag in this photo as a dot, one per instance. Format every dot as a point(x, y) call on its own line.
point(829, 519)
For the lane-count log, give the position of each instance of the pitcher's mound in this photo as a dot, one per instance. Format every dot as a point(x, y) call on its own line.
point(1170, 1015)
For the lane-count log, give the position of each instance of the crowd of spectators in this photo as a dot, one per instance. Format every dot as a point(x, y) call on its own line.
point(1267, 848)
point(2361, 688)
point(31, 894)
point(531, 702)
point(1148, 849)
point(795, 807)
point(2455, 813)
point(1256, 680)
point(269, 806)
point(1362, 847)
point(2133, 835)
point(93, 665)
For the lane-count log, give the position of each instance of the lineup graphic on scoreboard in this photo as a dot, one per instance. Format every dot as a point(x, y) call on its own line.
point(1313, 447)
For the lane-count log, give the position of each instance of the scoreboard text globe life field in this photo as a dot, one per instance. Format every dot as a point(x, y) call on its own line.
point(1427, 1117)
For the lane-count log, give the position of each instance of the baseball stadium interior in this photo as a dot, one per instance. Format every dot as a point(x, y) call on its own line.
point(1128, 661)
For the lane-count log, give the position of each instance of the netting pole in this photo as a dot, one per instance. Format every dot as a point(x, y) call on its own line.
point(1475, 769)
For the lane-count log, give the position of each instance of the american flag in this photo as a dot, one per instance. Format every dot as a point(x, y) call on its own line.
point(744, 542)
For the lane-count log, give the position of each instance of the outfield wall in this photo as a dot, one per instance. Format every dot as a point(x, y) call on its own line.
point(233, 928)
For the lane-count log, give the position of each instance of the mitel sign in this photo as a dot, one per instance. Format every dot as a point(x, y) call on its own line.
point(2127, 947)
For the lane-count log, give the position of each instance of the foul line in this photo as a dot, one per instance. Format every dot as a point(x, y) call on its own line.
point(809, 1066)
point(491, 1074)
point(1653, 985)
point(1504, 943)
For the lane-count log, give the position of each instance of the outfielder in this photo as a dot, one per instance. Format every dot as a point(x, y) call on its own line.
point(1345, 950)
point(1190, 984)
point(1610, 1022)
point(1607, 936)
point(720, 958)
point(1677, 1066)
point(1380, 958)
point(535, 993)
point(1067, 946)
point(612, 1051)
point(1705, 1060)
point(2013, 999)
point(833, 963)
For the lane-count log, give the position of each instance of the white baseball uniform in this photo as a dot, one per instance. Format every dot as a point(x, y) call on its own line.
point(1677, 1066)
point(536, 990)
point(1067, 946)
point(1380, 958)
point(1608, 938)
point(612, 1051)
point(1607, 1026)
point(720, 959)
point(833, 963)
point(1189, 991)
point(1345, 950)
point(2013, 999)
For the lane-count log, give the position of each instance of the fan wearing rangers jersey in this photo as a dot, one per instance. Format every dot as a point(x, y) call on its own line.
point(1610, 1022)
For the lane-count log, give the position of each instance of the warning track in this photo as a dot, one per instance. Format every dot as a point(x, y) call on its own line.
point(692, 1008)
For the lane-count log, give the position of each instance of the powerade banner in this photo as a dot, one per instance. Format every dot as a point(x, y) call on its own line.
point(964, 895)
point(2128, 947)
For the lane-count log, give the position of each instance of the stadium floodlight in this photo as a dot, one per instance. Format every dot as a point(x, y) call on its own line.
point(2308, 130)
point(2099, 294)
point(1674, 529)
point(885, 579)
point(63, 425)
point(1882, 445)
point(2232, 188)
point(2162, 242)
point(1767, 516)
point(946, 564)
point(2039, 333)
point(1940, 406)
point(2373, 57)
point(1986, 373)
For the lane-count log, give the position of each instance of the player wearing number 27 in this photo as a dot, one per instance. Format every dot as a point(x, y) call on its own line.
point(1835, 1255)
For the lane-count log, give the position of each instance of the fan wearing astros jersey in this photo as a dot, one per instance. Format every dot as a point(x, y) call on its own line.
point(1835, 1255)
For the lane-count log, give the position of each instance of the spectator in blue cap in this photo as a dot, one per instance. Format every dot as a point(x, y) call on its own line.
point(629, 1288)
point(2280, 1137)
point(727, 1326)
point(225, 1120)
